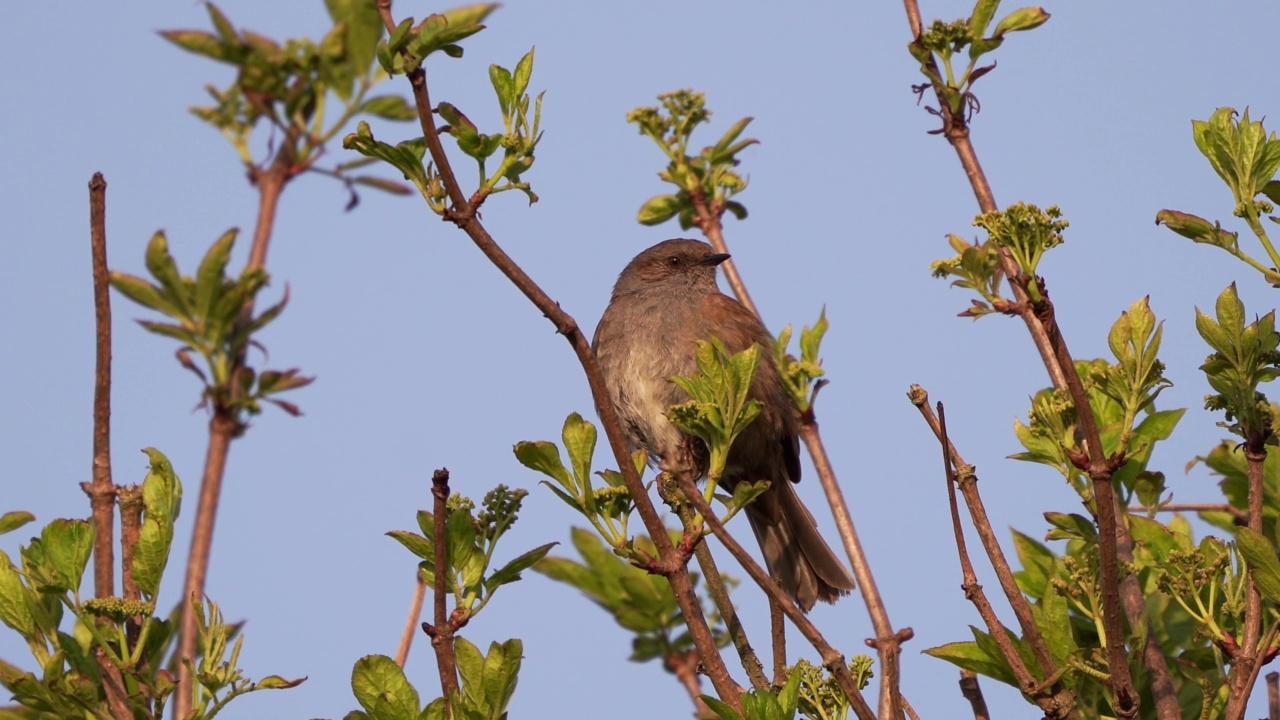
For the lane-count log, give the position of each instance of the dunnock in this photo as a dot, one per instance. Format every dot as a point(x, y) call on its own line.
point(666, 300)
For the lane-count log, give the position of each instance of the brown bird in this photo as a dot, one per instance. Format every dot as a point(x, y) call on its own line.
point(664, 302)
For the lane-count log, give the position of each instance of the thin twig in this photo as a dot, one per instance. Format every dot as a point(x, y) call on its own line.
point(672, 565)
point(102, 491)
point(778, 632)
point(708, 220)
point(1107, 513)
point(224, 427)
point(972, 692)
point(411, 625)
point(972, 590)
point(684, 665)
point(113, 685)
point(1063, 699)
point(714, 583)
point(887, 644)
point(831, 658)
point(1245, 661)
point(1273, 696)
point(888, 648)
point(442, 633)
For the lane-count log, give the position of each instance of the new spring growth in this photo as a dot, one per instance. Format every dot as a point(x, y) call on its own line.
point(1244, 357)
point(976, 267)
point(1027, 232)
point(720, 409)
point(801, 377)
point(704, 182)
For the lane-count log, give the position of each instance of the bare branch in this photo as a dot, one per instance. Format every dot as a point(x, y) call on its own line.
point(831, 658)
point(1062, 701)
point(442, 632)
point(972, 692)
point(102, 491)
point(411, 625)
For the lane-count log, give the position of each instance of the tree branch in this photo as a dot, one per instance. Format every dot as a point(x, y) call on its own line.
point(831, 658)
point(463, 216)
point(442, 633)
point(1063, 701)
point(102, 491)
point(1116, 535)
point(972, 692)
point(411, 625)
point(887, 644)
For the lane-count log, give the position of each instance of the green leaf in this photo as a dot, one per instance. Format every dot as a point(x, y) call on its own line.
point(1026, 18)
point(417, 544)
point(510, 572)
point(501, 668)
point(544, 457)
point(1037, 565)
point(201, 43)
point(404, 157)
point(15, 604)
point(15, 519)
point(165, 270)
point(520, 78)
point(211, 275)
point(363, 28)
point(143, 293)
point(660, 209)
point(503, 87)
point(724, 710)
point(1071, 526)
point(391, 107)
point(1264, 567)
point(470, 667)
point(67, 546)
point(162, 502)
point(382, 689)
point(981, 17)
point(580, 442)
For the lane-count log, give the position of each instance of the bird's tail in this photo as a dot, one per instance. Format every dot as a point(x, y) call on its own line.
point(795, 553)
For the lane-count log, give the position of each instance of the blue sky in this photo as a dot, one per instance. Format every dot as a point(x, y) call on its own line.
point(426, 357)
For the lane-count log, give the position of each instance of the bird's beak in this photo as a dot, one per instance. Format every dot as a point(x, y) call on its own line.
point(714, 259)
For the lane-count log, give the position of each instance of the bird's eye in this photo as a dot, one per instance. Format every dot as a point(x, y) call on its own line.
point(673, 261)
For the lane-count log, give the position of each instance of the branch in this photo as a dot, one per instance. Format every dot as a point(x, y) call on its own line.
point(831, 658)
point(411, 625)
point(462, 214)
point(1107, 511)
point(708, 221)
point(972, 692)
point(1273, 696)
point(1117, 540)
point(1063, 699)
point(442, 633)
point(778, 632)
point(224, 427)
point(684, 665)
point(714, 583)
point(1245, 664)
point(887, 645)
point(102, 491)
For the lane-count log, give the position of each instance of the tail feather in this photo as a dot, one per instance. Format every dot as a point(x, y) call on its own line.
point(794, 551)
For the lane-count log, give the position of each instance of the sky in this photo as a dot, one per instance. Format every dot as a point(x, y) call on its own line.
point(426, 357)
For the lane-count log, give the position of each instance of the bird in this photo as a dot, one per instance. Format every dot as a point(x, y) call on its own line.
point(665, 301)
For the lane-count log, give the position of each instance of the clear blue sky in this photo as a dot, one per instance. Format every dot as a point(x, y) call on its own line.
point(426, 357)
